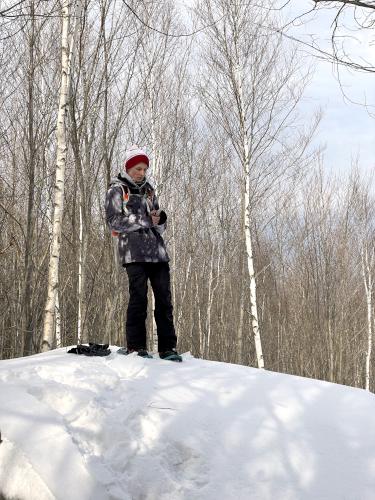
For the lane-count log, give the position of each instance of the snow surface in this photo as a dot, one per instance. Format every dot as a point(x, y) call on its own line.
point(123, 427)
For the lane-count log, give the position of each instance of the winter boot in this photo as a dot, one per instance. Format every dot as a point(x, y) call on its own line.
point(171, 355)
point(141, 352)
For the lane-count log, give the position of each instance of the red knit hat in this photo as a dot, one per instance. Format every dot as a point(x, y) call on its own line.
point(135, 155)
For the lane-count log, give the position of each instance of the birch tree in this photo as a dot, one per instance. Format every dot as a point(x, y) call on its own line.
point(248, 92)
point(312, 247)
point(364, 232)
point(67, 48)
point(30, 208)
point(367, 272)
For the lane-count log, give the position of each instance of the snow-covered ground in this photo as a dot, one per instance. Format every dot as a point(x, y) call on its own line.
point(123, 427)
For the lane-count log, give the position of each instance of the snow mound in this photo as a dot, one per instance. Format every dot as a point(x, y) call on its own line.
point(127, 428)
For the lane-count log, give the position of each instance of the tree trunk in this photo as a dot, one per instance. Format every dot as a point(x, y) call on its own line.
point(158, 179)
point(253, 292)
point(241, 271)
point(199, 319)
point(58, 320)
point(247, 224)
point(211, 291)
point(80, 280)
point(53, 271)
point(27, 323)
point(367, 278)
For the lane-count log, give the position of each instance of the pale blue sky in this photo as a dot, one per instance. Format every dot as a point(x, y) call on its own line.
point(346, 129)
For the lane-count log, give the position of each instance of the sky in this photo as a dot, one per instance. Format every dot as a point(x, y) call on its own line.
point(347, 131)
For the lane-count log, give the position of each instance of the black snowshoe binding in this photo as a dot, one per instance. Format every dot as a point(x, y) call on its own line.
point(91, 350)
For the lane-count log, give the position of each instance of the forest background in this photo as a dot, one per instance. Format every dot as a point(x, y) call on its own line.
point(267, 241)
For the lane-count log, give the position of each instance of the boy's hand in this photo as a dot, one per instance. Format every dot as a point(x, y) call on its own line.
point(155, 216)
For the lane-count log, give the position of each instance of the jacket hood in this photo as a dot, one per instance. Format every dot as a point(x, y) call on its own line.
point(125, 178)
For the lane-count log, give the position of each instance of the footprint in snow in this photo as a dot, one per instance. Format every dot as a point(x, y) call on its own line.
point(186, 465)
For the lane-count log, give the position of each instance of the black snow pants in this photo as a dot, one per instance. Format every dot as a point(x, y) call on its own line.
point(159, 276)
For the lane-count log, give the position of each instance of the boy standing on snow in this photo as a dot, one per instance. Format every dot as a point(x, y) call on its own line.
point(132, 213)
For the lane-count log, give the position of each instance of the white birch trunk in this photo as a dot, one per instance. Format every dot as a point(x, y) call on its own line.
point(367, 278)
point(239, 347)
point(53, 271)
point(247, 224)
point(253, 294)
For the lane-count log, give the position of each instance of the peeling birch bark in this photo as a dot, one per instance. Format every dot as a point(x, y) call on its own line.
point(247, 224)
point(53, 270)
point(367, 267)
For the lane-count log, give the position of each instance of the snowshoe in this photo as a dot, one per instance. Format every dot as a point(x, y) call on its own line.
point(171, 355)
point(141, 352)
point(91, 350)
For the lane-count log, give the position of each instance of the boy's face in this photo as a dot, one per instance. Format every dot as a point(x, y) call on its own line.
point(138, 172)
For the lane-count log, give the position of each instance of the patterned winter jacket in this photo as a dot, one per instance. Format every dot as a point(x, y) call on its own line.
point(138, 239)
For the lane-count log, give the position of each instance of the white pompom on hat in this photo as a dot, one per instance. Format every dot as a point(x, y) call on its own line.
point(135, 155)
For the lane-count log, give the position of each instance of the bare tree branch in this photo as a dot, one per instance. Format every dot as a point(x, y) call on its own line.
point(355, 3)
point(3, 12)
point(169, 34)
